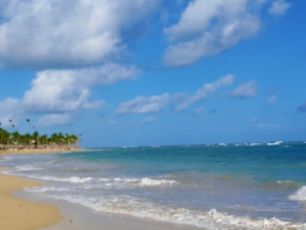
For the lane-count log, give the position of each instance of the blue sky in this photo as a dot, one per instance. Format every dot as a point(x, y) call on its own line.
point(179, 72)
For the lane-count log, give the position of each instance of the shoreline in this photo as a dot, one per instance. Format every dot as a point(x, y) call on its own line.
point(40, 151)
point(20, 211)
point(19, 214)
point(78, 217)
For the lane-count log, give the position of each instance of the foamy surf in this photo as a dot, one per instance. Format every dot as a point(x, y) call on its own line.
point(180, 185)
point(93, 182)
point(210, 220)
point(25, 168)
point(142, 182)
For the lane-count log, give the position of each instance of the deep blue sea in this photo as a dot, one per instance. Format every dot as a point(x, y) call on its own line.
point(236, 186)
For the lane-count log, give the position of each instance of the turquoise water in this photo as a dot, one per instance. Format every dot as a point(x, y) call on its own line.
point(205, 186)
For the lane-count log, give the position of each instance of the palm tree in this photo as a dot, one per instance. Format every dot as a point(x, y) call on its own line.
point(16, 139)
point(4, 138)
point(35, 136)
point(43, 140)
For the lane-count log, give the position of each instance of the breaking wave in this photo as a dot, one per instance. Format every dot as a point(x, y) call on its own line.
point(211, 220)
point(299, 195)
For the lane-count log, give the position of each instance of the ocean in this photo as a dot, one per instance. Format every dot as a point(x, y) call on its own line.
point(222, 186)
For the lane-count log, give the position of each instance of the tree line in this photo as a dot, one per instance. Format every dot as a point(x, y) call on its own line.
point(16, 140)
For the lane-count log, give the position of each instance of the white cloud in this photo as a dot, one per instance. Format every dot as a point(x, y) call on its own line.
point(67, 32)
point(210, 27)
point(153, 104)
point(245, 90)
point(143, 105)
point(206, 90)
point(279, 7)
point(69, 90)
point(55, 119)
point(57, 94)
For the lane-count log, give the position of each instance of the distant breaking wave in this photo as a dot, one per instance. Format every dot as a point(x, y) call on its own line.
point(275, 143)
point(299, 195)
point(92, 182)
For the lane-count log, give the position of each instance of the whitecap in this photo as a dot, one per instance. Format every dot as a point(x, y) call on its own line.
point(299, 195)
point(141, 182)
point(255, 144)
point(73, 179)
point(24, 168)
point(43, 189)
point(275, 143)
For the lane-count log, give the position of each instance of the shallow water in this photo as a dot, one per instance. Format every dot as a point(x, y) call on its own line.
point(235, 186)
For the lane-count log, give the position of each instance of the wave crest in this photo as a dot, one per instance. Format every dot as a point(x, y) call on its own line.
point(299, 195)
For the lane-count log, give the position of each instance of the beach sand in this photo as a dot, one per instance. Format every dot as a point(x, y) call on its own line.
point(19, 214)
point(24, 211)
point(31, 213)
point(40, 151)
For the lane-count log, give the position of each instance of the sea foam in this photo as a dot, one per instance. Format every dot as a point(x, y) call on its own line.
point(299, 195)
point(275, 143)
point(25, 168)
point(93, 182)
point(142, 182)
point(211, 220)
point(72, 179)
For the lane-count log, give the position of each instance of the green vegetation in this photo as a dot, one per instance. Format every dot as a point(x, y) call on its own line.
point(16, 140)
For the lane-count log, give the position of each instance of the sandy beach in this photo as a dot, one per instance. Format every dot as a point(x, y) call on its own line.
point(19, 214)
point(25, 214)
point(40, 151)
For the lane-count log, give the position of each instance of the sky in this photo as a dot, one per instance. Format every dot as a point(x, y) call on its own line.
point(155, 72)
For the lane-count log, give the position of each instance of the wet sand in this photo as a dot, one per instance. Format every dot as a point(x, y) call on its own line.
point(77, 217)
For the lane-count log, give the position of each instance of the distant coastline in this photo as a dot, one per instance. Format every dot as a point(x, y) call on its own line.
point(14, 142)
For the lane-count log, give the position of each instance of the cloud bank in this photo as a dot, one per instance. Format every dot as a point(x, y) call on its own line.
point(52, 33)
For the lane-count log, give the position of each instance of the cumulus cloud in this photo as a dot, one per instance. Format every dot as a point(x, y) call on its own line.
point(56, 94)
point(67, 32)
point(279, 7)
point(206, 90)
point(143, 105)
point(69, 90)
point(245, 90)
point(209, 27)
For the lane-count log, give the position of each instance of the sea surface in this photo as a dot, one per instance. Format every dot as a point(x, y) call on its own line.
point(235, 186)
